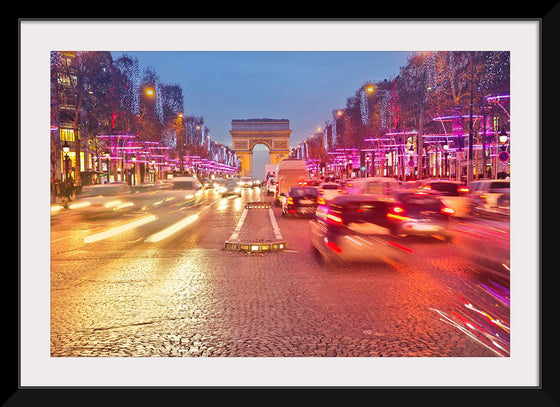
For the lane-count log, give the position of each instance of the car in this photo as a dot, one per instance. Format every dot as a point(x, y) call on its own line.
point(300, 201)
point(328, 190)
point(219, 182)
point(453, 194)
point(491, 196)
point(371, 185)
point(311, 183)
point(420, 213)
point(270, 185)
point(355, 228)
point(230, 187)
point(246, 182)
point(187, 190)
point(103, 199)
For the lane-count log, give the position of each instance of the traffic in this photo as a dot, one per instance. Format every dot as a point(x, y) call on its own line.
point(293, 226)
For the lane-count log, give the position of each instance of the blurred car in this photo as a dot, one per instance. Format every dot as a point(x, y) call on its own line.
point(453, 194)
point(246, 182)
point(311, 183)
point(420, 213)
point(491, 197)
point(328, 190)
point(188, 190)
point(219, 183)
point(207, 183)
point(355, 228)
point(371, 185)
point(230, 187)
point(103, 199)
point(300, 201)
point(271, 185)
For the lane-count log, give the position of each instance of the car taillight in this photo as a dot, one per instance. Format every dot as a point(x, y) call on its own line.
point(463, 190)
point(333, 246)
point(397, 212)
point(447, 211)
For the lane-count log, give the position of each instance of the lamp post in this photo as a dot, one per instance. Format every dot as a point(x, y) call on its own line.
point(133, 171)
point(108, 158)
point(66, 150)
point(446, 153)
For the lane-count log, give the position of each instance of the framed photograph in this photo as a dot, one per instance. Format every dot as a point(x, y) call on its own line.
point(159, 266)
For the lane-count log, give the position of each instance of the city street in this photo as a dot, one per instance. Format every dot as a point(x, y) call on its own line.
point(156, 280)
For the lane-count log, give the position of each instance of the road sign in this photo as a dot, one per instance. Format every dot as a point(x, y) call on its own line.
point(503, 156)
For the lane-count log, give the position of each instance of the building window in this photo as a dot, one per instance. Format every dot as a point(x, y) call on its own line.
point(66, 134)
point(496, 123)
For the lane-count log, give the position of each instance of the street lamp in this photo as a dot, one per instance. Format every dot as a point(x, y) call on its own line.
point(66, 150)
point(446, 153)
point(133, 170)
point(108, 158)
point(503, 138)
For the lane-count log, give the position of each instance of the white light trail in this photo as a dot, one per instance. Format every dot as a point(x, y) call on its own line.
point(119, 229)
point(156, 237)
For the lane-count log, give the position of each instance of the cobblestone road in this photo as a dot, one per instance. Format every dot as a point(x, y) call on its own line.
point(187, 296)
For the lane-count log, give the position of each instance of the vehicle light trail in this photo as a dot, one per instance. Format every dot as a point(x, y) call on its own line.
point(156, 237)
point(119, 229)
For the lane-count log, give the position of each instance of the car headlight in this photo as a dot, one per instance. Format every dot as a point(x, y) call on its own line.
point(112, 204)
point(78, 205)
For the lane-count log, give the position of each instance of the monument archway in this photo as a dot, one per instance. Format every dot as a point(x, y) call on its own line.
point(247, 133)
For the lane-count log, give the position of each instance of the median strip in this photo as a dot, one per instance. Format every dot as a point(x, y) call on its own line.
point(256, 230)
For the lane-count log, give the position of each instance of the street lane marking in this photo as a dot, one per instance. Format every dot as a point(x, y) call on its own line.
point(235, 233)
point(275, 227)
point(119, 229)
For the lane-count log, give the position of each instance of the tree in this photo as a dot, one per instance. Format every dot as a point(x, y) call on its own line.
point(87, 79)
point(172, 106)
point(150, 119)
point(127, 109)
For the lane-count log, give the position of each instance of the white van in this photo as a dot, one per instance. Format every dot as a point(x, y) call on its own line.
point(290, 173)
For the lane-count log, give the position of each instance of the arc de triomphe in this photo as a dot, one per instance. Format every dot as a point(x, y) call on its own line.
point(247, 133)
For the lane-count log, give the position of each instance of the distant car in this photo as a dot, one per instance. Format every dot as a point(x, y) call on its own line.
point(103, 199)
point(491, 197)
point(311, 183)
point(420, 213)
point(271, 185)
point(453, 194)
point(372, 186)
point(328, 190)
point(300, 201)
point(219, 182)
point(355, 228)
point(188, 190)
point(230, 187)
point(246, 182)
